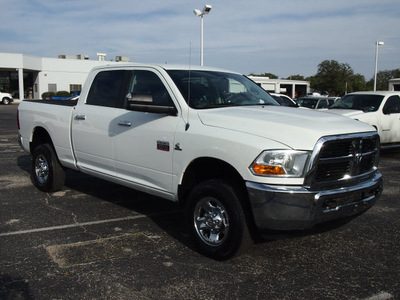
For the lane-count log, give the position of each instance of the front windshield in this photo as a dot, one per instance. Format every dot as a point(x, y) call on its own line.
point(209, 89)
point(366, 103)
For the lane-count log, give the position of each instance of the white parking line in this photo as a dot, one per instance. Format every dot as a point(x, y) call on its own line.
point(78, 224)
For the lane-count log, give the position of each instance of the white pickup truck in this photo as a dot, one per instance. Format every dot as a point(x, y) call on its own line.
point(211, 140)
point(380, 109)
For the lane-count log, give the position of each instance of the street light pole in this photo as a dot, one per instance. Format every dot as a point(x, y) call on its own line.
point(201, 39)
point(197, 12)
point(378, 43)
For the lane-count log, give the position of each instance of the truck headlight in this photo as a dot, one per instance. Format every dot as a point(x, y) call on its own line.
point(289, 163)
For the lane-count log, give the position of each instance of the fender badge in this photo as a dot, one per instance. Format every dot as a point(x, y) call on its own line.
point(163, 145)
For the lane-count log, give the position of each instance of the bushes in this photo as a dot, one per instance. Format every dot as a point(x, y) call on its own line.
point(47, 95)
point(63, 94)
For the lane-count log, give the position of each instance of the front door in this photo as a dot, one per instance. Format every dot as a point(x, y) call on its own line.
point(144, 142)
point(390, 121)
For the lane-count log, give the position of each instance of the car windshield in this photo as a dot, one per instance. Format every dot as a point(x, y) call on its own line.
point(210, 89)
point(366, 103)
point(309, 103)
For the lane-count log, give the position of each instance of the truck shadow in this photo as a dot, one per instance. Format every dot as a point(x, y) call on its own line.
point(170, 216)
point(166, 215)
point(390, 152)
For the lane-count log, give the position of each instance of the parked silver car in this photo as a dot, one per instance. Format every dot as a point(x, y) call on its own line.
point(316, 102)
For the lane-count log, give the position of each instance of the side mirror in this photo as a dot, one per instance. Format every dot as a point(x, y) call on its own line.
point(145, 103)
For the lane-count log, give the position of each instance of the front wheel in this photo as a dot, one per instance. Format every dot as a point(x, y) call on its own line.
point(6, 101)
point(48, 174)
point(217, 220)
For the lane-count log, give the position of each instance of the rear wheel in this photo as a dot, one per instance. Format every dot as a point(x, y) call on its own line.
point(48, 174)
point(217, 220)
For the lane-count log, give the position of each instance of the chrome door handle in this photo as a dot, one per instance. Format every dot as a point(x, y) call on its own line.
point(125, 123)
point(80, 117)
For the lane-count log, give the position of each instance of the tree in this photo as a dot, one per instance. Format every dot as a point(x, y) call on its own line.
point(337, 79)
point(382, 79)
point(331, 77)
point(295, 77)
point(356, 83)
point(270, 75)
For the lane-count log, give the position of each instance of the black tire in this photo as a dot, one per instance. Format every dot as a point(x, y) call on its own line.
point(6, 101)
point(48, 174)
point(217, 221)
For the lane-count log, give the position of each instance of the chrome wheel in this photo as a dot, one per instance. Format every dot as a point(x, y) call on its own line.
point(42, 169)
point(211, 221)
point(47, 172)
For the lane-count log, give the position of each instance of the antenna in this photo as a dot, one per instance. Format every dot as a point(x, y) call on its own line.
point(188, 96)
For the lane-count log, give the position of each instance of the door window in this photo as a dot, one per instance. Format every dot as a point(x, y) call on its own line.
point(106, 89)
point(392, 105)
point(146, 86)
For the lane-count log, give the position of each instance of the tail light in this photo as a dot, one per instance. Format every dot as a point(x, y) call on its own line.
point(18, 119)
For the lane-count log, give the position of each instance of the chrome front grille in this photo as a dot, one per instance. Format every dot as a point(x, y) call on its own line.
point(342, 159)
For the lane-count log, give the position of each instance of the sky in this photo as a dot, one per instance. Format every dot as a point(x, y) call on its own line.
point(287, 37)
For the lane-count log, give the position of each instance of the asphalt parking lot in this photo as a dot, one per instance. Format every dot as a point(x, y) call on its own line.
point(98, 240)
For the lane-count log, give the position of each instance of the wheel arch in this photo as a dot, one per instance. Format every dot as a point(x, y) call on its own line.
point(205, 168)
point(40, 136)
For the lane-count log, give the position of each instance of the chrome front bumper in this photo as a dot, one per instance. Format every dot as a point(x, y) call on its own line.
point(291, 208)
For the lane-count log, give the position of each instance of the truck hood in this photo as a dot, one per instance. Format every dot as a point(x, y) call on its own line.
point(296, 128)
point(351, 113)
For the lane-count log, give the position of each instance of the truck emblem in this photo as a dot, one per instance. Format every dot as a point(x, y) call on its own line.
point(358, 155)
point(178, 147)
point(163, 145)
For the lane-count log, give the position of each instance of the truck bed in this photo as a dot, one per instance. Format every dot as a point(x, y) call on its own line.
point(52, 116)
point(68, 102)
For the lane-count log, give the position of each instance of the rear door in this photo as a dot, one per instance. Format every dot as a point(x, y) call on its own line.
point(93, 124)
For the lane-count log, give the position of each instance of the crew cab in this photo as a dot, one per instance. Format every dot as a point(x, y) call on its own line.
point(212, 140)
point(380, 109)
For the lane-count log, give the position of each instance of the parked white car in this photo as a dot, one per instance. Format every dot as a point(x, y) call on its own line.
point(379, 109)
point(284, 100)
point(6, 98)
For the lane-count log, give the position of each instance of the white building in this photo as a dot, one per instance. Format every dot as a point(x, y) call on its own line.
point(26, 76)
point(394, 84)
point(291, 88)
